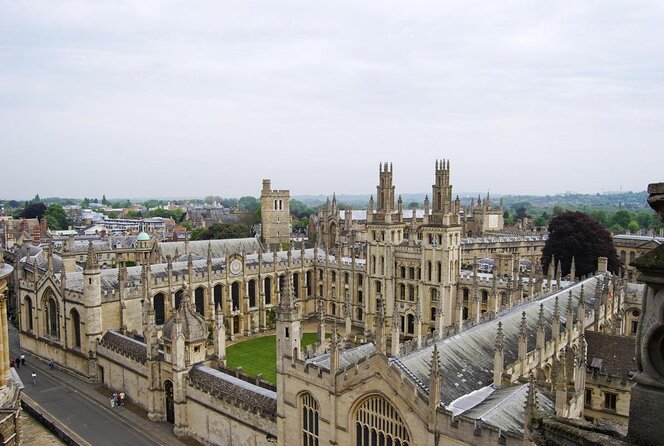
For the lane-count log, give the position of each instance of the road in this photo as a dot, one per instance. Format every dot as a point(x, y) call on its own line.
point(79, 406)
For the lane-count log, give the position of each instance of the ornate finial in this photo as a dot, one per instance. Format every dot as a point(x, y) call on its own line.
point(531, 400)
point(540, 318)
point(556, 310)
point(435, 362)
point(500, 339)
point(561, 382)
point(523, 329)
point(287, 301)
point(396, 320)
point(91, 261)
point(581, 297)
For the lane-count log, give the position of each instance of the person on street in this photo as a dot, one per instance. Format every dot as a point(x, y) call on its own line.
point(18, 362)
point(34, 377)
point(51, 364)
point(22, 358)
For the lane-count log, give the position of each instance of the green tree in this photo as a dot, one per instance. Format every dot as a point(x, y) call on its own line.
point(218, 231)
point(413, 205)
point(104, 200)
point(249, 204)
point(633, 226)
point(301, 224)
point(575, 234)
point(601, 217)
point(557, 210)
point(56, 218)
point(621, 218)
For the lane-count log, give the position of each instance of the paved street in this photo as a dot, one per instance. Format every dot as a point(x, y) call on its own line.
point(84, 410)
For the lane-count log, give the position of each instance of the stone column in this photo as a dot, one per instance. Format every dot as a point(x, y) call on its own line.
point(647, 399)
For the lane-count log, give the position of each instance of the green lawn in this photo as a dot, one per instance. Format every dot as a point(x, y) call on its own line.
point(259, 355)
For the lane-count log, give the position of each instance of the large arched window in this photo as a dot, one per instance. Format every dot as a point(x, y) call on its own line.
point(75, 328)
point(199, 300)
point(178, 298)
point(309, 423)
point(252, 293)
point(218, 293)
point(235, 295)
point(158, 306)
point(267, 287)
point(51, 317)
point(27, 303)
point(410, 329)
point(309, 284)
point(296, 285)
point(377, 423)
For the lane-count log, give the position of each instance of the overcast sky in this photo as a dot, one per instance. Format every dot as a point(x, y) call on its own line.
point(159, 98)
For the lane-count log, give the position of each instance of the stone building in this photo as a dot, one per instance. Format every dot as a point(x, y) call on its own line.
point(420, 361)
point(482, 217)
point(631, 246)
point(10, 383)
point(275, 215)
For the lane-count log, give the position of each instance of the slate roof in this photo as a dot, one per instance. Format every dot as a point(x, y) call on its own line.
point(346, 357)
point(219, 247)
point(618, 353)
point(504, 408)
point(233, 389)
point(467, 358)
point(125, 345)
point(193, 324)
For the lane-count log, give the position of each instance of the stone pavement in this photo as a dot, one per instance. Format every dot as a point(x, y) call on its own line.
point(85, 410)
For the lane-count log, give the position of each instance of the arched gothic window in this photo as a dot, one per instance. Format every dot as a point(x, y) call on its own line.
point(159, 310)
point(377, 422)
point(309, 423)
point(76, 328)
point(28, 314)
point(51, 317)
point(199, 300)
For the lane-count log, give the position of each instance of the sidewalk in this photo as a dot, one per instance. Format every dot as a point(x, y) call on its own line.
point(85, 407)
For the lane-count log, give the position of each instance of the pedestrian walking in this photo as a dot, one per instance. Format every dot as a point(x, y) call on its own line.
point(22, 358)
point(34, 377)
point(51, 364)
point(18, 363)
point(11, 364)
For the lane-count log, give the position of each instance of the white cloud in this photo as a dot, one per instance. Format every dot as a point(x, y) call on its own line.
point(177, 98)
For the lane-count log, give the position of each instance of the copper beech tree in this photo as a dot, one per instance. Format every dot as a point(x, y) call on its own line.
point(579, 236)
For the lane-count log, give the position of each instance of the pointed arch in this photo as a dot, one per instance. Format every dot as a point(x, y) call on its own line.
point(28, 324)
point(75, 325)
point(378, 422)
point(199, 300)
point(159, 310)
point(310, 410)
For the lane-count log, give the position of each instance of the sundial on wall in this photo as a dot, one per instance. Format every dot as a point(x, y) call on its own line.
point(236, 266)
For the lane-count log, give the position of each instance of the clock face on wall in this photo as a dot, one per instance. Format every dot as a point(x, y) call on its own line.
point(236, 266)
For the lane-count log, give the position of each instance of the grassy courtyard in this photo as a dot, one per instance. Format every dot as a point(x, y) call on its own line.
point(259, 355)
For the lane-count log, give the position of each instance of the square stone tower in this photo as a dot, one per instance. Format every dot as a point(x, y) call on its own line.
point(275, 215)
